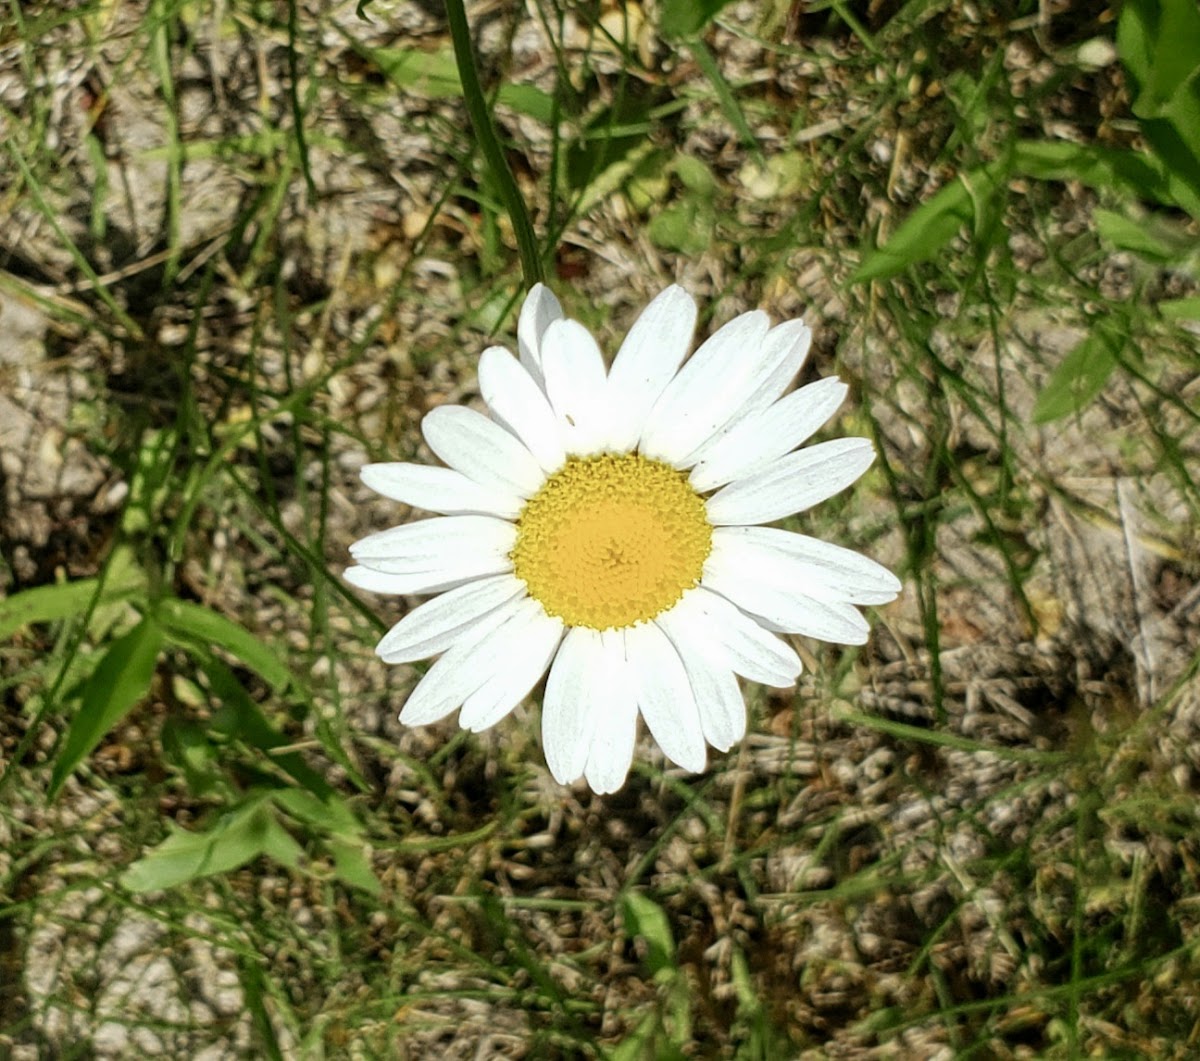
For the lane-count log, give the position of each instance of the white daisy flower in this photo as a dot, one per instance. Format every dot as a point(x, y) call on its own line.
point(604, 524)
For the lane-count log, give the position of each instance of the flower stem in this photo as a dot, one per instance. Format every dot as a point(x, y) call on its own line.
point(489, 143)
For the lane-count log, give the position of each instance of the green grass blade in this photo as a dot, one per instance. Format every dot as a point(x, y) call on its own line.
point(724, 93)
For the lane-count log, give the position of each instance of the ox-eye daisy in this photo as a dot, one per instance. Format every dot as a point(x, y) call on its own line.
point(604, 524)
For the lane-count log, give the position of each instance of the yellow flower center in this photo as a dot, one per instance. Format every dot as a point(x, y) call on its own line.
point(609, 541)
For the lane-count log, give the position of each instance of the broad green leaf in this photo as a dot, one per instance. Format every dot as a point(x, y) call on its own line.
point(47, 604)
point(932, 225)
point(328, 815)
point(1159, 43)
point(236, 838)
point(185, 621)
point(644, 918)
point(1079, 378)
point(120, 681)
point(686, 18)
point(1095, 166)
point(1173, 142)
point(242, 719)
point(333, 821)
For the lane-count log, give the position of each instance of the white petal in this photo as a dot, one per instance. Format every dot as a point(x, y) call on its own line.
point(808, 565)
point(537, 312)
point(473, 661)
point(572, 702)
point(794, 339)
point(792, 483)
point(648, 359)
point(756, 392)
point(756, 590)
point(437, 624)
point(373, 581)
point(439, 490)
point(752, 442)
point(528, 647)
point(664, 695)
point(705, 393)
point(482, 450)
point(576, 384)
point(419, 584)
point(718, 698)
point(730, 637)
point(444, 542)
point(517, 402)
point(615, 727)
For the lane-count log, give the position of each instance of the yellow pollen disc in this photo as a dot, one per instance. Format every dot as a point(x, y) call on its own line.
point(609, 541)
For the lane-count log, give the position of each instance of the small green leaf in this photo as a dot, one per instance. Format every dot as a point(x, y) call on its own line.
point(434, 75)
point(642, 1043)
point(328, 815)
point(644, 918)
point(1079, 378)
point(1151, 237)
point(686, 18)
point(352, 866)
point(528, 100)
point(187, 622)
point(695, 175)
point(238, 837)
point(683, 227)
point(1181, 309)
point(119, 682)
point(932, 225)
point(428, 74)
point(45, 604)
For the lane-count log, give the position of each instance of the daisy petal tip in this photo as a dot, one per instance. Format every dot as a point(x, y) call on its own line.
point(677, 299)
point(697, 761)
point(562, 775)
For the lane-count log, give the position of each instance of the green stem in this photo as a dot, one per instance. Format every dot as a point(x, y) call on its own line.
point(489, 143)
